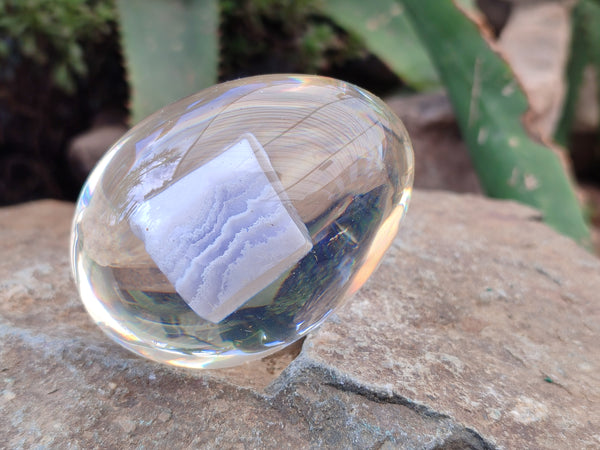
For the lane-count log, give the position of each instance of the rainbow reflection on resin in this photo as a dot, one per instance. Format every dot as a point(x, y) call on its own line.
point(230, 223)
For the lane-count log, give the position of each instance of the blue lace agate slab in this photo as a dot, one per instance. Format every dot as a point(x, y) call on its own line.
point(222, 233)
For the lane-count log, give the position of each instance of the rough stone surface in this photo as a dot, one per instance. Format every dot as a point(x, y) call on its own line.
point(479, 330)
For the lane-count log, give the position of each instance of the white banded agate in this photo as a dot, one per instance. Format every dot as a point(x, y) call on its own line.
point(222, 233)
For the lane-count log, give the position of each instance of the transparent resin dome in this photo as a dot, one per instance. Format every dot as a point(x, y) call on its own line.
point(229, 224)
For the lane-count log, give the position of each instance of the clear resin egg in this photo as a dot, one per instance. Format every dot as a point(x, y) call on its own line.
point(229, 224)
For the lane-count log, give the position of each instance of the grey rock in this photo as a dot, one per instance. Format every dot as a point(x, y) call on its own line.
point(86, 149)
point(479, 330)
point(442, 158)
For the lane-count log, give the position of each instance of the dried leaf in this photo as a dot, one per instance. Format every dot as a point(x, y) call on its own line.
point(490, 105)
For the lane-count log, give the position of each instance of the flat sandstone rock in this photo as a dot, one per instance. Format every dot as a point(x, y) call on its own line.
point(480, 329)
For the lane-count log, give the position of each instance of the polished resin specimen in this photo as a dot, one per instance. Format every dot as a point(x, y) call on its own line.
point(221, 233)
point(230, 223)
